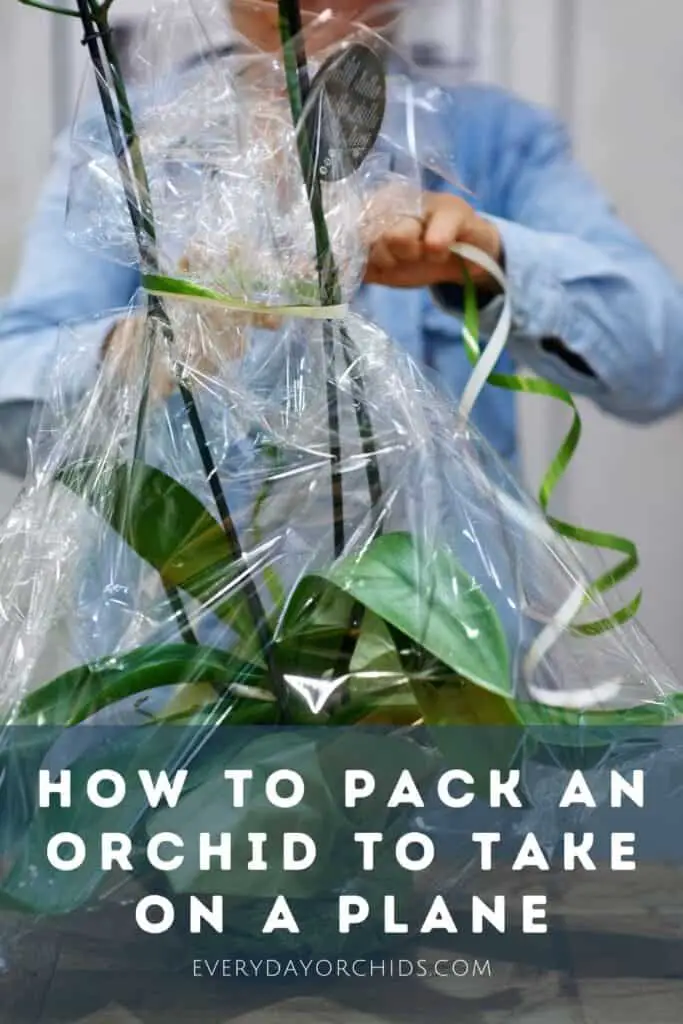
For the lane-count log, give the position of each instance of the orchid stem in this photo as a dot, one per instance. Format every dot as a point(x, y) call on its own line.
point(50, 7)
point(298, 88)
point(126, 146)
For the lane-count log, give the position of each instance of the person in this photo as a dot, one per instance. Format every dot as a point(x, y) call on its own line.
point(593, 308)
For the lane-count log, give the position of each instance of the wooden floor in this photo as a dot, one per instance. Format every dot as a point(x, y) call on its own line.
point(618, 941)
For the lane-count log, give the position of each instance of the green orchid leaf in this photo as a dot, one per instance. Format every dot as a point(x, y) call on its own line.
point(170, 529)
point(379, 688)
point(312, 631)
point(315, 630)
point(388, 581)
point(375, 650)
point(206, 809)
point(429, 600)
point(474, 729)
point(460, 703)
point(427, 597)
point(581, 739)
point(643, 716)
point(316, 605)
point(50, 8)
point(76, 695)
point(30, 883)
point(383, 705)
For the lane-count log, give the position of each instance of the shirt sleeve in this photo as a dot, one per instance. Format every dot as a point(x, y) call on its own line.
point(593, 308)
point(63, 297)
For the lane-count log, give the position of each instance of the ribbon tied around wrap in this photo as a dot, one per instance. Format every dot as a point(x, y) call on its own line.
point(483, 373)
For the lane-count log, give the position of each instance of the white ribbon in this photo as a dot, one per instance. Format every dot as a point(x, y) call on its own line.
point(498, 340)
point(547, 638)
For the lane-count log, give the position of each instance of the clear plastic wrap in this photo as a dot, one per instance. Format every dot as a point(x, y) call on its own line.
point(478, 546)
point(262, 512)
point(196, 118)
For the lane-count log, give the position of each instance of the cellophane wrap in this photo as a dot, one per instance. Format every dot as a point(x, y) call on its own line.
point(256, 516)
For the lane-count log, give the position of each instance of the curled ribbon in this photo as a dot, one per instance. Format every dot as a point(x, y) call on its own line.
point(484, 366)
point(483, 373)
point(484, 363)
point(547, 711)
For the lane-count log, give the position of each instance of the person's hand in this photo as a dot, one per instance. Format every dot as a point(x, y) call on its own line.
point(206, 337)
point(123, 353)
point(414, 251)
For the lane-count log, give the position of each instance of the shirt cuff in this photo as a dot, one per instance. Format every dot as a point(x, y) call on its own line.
point(541, 316)
point(543, 335)
point(41, 365)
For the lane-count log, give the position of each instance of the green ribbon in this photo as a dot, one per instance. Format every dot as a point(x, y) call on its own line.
point(158, 284)
point(606, 541)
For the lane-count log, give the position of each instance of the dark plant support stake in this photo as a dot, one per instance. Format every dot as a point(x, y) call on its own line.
point(298, 88)
point(125, 142)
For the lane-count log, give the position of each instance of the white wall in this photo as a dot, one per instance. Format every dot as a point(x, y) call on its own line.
point(25, 121)
point(636, 87)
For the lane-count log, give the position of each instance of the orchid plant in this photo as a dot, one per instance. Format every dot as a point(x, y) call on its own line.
point(360, 643)
point(367, 602)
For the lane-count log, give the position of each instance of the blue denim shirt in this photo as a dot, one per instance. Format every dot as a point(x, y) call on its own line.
point(594, 310)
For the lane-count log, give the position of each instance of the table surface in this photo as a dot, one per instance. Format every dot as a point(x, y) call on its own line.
point(622, 936)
